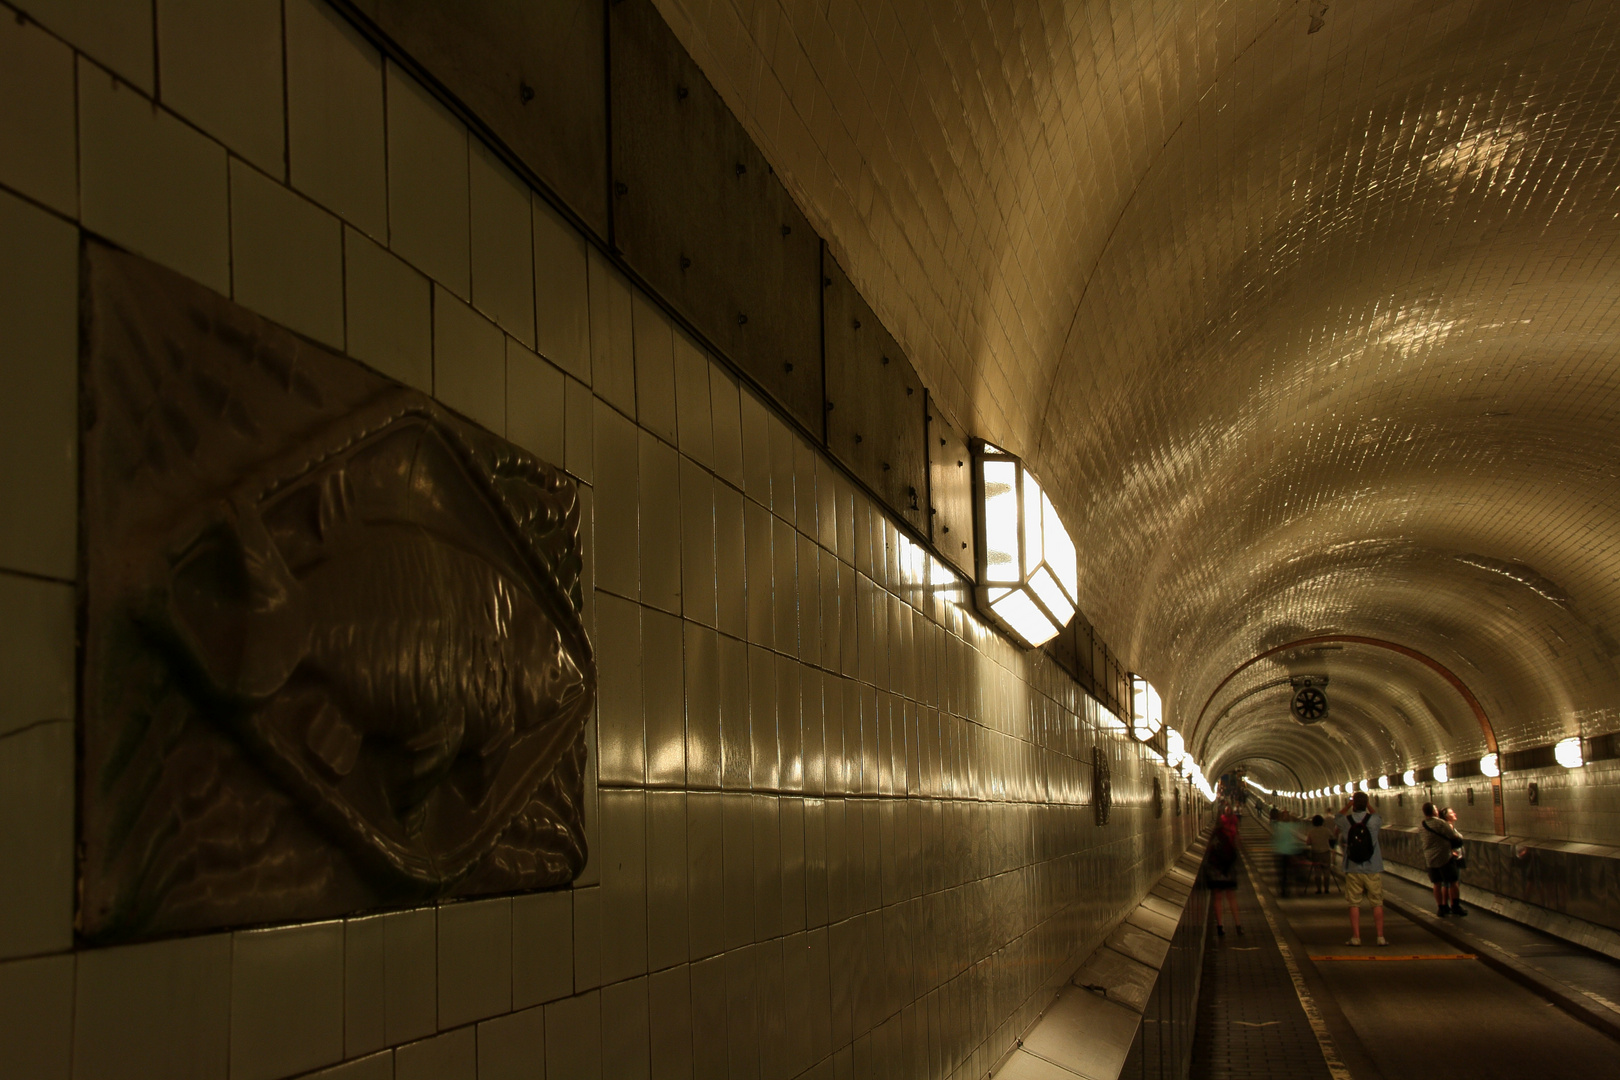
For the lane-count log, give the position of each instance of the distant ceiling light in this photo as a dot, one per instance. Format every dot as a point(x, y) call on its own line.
point(1567, 753)
point(1383, 782)
point(1027, 568)
point(1147, 711)
point(1490, 765)
point(1409, 777)
point(1442, 773)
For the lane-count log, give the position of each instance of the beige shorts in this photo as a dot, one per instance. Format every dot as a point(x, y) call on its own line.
point(1364, 887)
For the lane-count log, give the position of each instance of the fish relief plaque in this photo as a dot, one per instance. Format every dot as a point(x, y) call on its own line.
point(333, 653)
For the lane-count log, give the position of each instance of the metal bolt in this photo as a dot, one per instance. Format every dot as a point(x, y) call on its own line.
point(786, 229)
point(885, 360)
point(741, 168)
point(909, 391)
point(829, 406)
point(787, 368)
point(622, 188)
point(681, 92)
point(685, 262)
point(742, 320)
point(857, 324)
point(525, 92)
point(857, 438)
point(885, 466)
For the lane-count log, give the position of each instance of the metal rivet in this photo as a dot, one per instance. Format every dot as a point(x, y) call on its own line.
point(964, 543)
point(525, 92)
point(829, 406)
point(741, 168)
point(787, 367)
point(742, 320)
point(885, 360)
point(909, 391)
point(885, 466)
point(622, 188)
point(681, 92)
point(685, 262)
point(857, 438)
point(786, 229)
point(857, 324)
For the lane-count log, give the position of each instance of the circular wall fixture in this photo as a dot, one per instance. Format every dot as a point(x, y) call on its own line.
point(1309, 704)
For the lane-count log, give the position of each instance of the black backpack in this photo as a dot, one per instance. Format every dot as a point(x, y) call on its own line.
point(1358, 842)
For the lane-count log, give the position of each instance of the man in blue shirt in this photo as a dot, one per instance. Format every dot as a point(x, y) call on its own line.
point(1363, 864)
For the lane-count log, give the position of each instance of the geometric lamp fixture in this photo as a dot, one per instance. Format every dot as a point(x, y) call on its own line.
point(1027, 567)
point(1147, 711)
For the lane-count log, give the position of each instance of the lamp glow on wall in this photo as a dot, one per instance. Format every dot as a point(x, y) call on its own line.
point(1409, 777)
point(1567, 752)
point(1383, 783)
point(1491, 766)
point(1028, 571)
point(1147, 710)
point(1442, 773)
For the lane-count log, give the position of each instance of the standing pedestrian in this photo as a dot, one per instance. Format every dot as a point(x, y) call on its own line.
point(1320, 839)
point(1461, 862)
point(1440, 846)
point(1363, 864)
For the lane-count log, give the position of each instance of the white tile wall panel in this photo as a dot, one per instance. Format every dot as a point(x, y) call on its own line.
point(286, 257)
point(37, 153)
point(819, 820)
point(221, 68)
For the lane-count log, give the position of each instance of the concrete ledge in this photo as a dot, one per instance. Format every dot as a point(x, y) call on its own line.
point(1584, 1005)
point(1088, 1030)
point(1600, 939)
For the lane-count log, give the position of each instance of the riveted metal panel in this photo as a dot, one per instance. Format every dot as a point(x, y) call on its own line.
point(534, 74)
point(876, 424)
point(701, 216)
point(950, 490)
point(1061, 651)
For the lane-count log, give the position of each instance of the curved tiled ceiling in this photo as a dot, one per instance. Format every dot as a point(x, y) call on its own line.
point(1308, 332)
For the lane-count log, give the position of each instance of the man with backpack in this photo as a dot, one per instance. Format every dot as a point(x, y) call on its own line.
point(1363, 864)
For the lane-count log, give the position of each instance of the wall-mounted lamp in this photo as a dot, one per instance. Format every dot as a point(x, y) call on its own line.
point(1147, 710)
point(1383, 783)
point(1567, 752)
point(1175, 748)
point(1027, 568)
point(1491, 765)
point(1409, 777)
point(1442, 773)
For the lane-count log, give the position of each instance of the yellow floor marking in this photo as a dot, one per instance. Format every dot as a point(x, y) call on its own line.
point(1252, 1023)
point(1386, 956)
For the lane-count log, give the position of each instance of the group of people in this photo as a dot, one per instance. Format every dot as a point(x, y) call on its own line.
point(1356, 827)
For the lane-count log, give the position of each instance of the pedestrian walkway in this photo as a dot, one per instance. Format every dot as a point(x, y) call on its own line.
point(1424, 1006)
point(1251, 1023)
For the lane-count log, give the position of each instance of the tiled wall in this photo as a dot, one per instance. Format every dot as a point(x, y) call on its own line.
point(837, 827)
point(1581, 805)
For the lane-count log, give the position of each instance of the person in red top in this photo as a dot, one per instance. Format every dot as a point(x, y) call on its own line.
point(1220, 868)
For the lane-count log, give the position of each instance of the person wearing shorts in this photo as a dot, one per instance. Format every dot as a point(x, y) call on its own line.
point(1441, 843)
point(1363, 865)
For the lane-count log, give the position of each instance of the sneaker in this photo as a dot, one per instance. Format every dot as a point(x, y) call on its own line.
point(1444, 911)
point(1354, 941)
point(1381, 941)
point(1457, 909)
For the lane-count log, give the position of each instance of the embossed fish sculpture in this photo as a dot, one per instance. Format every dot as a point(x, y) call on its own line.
point(388, 618)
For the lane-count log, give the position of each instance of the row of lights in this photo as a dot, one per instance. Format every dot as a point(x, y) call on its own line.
point(1567, 752)
point(1028, 573)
